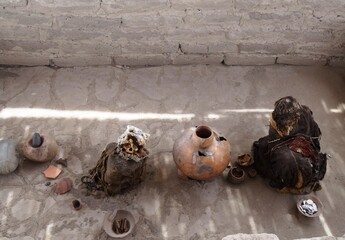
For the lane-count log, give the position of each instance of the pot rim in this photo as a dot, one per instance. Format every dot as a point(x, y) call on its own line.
point(236, 169)
point(203, 131)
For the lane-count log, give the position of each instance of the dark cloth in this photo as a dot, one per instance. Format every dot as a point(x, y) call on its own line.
point(280, 164)
point(113, 174)
point(285, 161)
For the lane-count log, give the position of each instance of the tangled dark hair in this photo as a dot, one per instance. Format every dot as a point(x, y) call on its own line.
point(287, 111)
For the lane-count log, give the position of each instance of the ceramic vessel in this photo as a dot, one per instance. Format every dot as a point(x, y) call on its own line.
point(118, 215)
point(315, 200)
point(201, 153)
point(236, 175)
point(76, 205)
point(44, 153)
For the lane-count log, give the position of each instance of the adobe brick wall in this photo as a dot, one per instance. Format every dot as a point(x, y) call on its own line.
point(159, 32)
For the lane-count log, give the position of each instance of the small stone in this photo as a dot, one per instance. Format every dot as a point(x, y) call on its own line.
point(36, 140)
point(47, 183)
point(8, 158)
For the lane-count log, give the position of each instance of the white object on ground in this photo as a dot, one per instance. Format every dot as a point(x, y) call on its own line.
point(308, 207)
point(8, 157)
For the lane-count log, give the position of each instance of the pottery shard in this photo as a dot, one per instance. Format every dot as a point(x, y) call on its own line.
point(52, 172)
point(63, 186)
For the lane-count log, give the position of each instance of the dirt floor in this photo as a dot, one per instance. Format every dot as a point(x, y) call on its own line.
point(86, 108)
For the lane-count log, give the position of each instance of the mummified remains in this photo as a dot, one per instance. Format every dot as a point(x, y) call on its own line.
point(289, 156)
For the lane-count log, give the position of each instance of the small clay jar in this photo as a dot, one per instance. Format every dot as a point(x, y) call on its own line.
point(236, 175)
point(43, 153)
point(201, 153)
point(76, 205)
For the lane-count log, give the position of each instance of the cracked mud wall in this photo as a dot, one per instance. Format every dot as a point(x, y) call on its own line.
point(160, 32)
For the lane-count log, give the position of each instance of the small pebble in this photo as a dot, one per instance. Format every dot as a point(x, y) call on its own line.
point(47, 183)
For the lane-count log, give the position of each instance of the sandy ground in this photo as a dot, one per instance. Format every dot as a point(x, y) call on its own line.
point(86, 108)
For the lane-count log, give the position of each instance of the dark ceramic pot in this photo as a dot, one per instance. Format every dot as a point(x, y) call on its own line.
point(236, 175)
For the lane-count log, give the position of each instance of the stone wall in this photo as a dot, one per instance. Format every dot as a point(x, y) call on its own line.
point(157, 32)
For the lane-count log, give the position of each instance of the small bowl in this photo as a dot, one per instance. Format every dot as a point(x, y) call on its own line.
point(315, 200)
point(245, 160)
point(76, 205)
point(236, 175)
point(117, 215)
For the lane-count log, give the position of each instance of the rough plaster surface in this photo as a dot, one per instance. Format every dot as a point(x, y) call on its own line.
point(161, 32)
point(241, 236)
point(165, 206)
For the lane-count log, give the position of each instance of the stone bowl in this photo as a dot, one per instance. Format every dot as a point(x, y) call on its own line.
point(117, 215)
point(315, 200)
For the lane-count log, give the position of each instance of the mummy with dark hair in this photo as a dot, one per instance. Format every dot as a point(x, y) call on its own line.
point(289, 156)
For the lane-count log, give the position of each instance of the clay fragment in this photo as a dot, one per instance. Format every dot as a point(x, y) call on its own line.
point(52, 172)
point(63, 186)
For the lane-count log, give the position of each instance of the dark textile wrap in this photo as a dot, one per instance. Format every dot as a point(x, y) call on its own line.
point(113, 174)
point(290, 155)
point(287, 168)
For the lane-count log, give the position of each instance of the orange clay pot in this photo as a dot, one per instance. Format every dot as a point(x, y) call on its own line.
point(201, 153)
point(44, 153)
